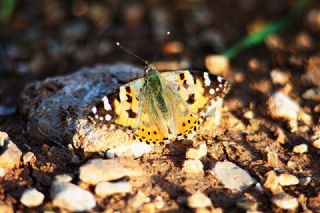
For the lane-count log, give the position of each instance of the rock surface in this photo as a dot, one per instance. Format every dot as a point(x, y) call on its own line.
point(129, 150)
point(71, 197)
point(61, 111)
point(97, 170)
point(285, 201)
point(193, 166)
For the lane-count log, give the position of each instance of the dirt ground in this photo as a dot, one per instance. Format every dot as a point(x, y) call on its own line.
point(50, 38)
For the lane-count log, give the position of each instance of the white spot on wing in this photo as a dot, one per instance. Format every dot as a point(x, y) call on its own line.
point(106, 104)
point(94, 110)
point(108, 117)
point(220, 79)
point(211, 91)
point(207, 81)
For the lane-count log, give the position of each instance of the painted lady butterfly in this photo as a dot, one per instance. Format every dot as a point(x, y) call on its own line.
point(161, 107)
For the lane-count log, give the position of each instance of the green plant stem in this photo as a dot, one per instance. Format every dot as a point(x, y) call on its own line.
point(258, 37)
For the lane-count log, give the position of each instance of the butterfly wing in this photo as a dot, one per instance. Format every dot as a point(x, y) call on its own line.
point(192, 95)
point(197, 89)
point(130, 109)
point(120, 107)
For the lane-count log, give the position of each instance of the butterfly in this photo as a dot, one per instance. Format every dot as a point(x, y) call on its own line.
point(161, 107)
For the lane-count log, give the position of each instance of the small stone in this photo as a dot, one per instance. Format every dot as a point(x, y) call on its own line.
point(10, 154)
point(63, 178)
point(137, 200)
point(193, 166)
point(246, 204)
point(129, 150)
point(71, 197)
point(199, 200)
point(97, 170)
point(197, 153)
point(232, 176)
point(285, 201)
point(304, 181)
point(217, 64)
point(288, 180)
point(27, 157)
point(272, 182)
point(280, 106)
point(248, 115)
point(32, 198)
point(105, 188)
point(279, 77)
point(2, 172)
point(158, 202)
point(312, 94)
point(300, 149)
point(273, 158)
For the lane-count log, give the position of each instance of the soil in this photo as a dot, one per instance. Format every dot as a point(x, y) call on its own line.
point(50, 38)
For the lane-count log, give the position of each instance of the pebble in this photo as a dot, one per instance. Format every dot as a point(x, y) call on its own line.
point(199, 200)
point(71, 197)
point(285, 201)
point(273, 158)
point(280, 106)
point(63, 178)
point(288, 180)
point(246, 204)
point(27, 157)
point(137, 200)
point(192, 166)
point(105, 188)
point(97, 170)
point(217, 64)
point(272, 183)
point(197, 153)
point(304, 181)
point(232, 176)
point(129, 150)
point(300, 149)
point(279, 77)
point(312, 94)
point(315, 138)
point(11, 154)
point(32, 198)
point(2, 172)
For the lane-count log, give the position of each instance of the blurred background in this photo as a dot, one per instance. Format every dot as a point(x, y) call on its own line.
point(41, 38)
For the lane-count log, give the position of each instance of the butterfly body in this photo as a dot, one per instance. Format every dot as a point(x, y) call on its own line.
point(161, 107)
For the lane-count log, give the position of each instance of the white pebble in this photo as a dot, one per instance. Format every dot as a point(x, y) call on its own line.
point(288, 180)
point(136, 150)
point(232, 176)
point(197, 153)
point(193, 166)
point(97, 170)
point(31, 198)
point(199, 200)
point(285, 201)
point(105, 188)
point(27, 157)
point(300, 149)
point(71, 197)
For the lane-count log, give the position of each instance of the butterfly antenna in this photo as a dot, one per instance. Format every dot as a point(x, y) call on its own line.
point(131, 53)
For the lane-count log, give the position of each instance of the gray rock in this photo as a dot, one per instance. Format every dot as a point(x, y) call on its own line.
point(97, 170)
point(232, 176)
point(105, 188)
point(57, 108)
point(32, 198)
point(71, 197)
point(10, 154)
